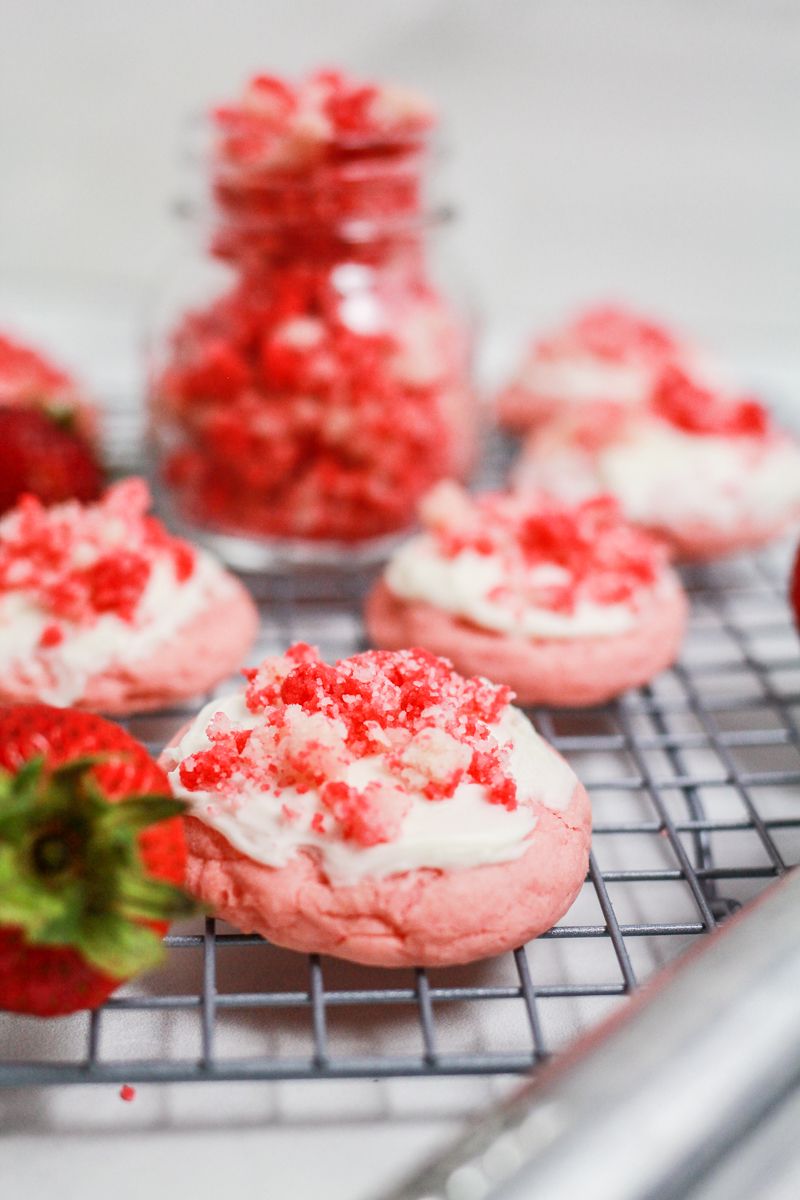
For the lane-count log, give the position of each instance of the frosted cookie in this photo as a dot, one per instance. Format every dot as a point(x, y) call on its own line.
point(566, 605)
point(383, 809)
point(709, 473)
point(101, 608)
point(605, 355)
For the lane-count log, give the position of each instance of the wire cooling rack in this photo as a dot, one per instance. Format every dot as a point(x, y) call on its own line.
point(695, 788)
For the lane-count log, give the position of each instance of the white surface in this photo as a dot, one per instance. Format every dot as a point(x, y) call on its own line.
point(340, 1141)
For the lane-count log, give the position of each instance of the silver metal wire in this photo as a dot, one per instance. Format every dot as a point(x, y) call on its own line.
point(694, 782)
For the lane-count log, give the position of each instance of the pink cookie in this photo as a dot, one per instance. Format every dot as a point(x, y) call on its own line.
point(563, 672)
point(565, 605)
point(709, 474)
point(102, 609)
point(426, 918)
point(355, 870)
point(702, 541)
point(606, 354)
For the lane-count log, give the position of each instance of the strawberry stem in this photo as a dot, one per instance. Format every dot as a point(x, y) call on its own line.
point(70, 869)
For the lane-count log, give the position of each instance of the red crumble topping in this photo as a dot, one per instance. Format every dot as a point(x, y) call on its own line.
point(284, 420)
point(296, 161)
point(614, 334)
point(79, 561)
point(115, 583)
point(554, 555)
point(283, 124)
point(431, 728)
point(52, 635)
point(367, 817)
point(319, 398)
point(697, 409)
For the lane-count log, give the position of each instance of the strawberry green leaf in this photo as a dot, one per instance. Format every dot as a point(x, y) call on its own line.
point(23, 904)
point(29, 776)
point(152, 899)
point(61, 415)
point(117, 947)
point(71, 871)
point(139, 812)
point(64, 928)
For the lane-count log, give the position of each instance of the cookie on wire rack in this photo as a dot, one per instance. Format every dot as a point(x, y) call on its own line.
point(568, 605)
point(382, 809)
point(102, 608)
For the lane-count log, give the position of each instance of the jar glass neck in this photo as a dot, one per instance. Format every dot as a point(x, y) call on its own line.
point(257, 250)
point(356, 203)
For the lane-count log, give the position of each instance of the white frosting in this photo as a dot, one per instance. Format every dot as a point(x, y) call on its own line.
point(583, 378)
point(60, 673)
point(664, 476)
point(463, 831)
point(463, 585)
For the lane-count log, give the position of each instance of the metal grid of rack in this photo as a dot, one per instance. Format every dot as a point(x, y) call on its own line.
point(695, 783)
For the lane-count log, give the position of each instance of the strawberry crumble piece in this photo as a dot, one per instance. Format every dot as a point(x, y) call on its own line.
point(555, 555)
point(430, 728)
point(52, 635)
point(78, 562)
point(698, 409)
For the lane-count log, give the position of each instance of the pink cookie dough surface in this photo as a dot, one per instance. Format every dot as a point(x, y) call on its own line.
point(519, 409)
point(702, 542)
point(207, 649)
point(563, 672)
point(417, 918)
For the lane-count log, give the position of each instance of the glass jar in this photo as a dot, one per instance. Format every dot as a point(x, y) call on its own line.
point(299, 414)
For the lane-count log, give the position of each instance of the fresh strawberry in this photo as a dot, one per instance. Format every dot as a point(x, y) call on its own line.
point(91, 851)
point(794, 588)
point(43, 455)
point(30, 380)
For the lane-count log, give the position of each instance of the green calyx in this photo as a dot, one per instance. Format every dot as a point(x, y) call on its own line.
point(70, 869)
point(60, 414)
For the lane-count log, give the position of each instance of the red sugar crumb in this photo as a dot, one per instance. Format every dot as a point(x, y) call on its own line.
point(697, 409)
point(127, 1093)
point(116, 582)
point(595, 554)
point(367, 817)
point(52, 635)
point(487, 769)
point(279, 123)
point(336, 436)
point(431, 728)
point(78, 561)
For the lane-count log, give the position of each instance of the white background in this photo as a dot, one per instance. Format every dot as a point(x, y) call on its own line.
point(599, 148)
